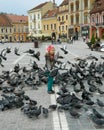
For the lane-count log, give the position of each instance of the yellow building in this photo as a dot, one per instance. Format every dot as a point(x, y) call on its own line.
point(13, 28)
point(49, 23)
point(79, 17)
point(62, 19)
point(20, 27)
point(5, 28)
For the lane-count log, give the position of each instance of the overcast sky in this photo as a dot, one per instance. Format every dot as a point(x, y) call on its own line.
point(20, 7)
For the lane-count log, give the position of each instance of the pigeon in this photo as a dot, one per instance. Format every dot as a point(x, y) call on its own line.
point(33, 102)
point(45, 112)
point(91, 57)
point(100, 103)
point(102, 57)
point(100, 91)
point(1, 62)
point(97, 114)
point(64, 49)
point(57, 56)
point(97, 121)
point(38, 111)
point(30, 51)
point(3, 54)
point(74, 113)
point(8, 50)
point(16, 51)
point(52, 107)
point(90, 103)
point(36, 55)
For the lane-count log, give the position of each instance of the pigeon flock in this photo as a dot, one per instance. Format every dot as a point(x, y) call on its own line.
point(81, 86)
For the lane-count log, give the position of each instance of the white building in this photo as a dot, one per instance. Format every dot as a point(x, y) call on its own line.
point(35, 18)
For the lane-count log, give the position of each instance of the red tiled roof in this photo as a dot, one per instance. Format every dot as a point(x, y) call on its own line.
point(39, 6)
point(63, 11)
point(98, 6)
point(4, 21)
point(51, 13)
point(65, 2)
point(17, 18)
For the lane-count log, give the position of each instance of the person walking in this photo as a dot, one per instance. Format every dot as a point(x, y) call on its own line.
point(49, 58)
point(71, 38)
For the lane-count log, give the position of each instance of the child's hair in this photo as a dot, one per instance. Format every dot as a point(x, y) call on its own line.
point(50, 47)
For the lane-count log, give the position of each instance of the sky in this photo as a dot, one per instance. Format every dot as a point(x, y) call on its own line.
point(20, 7)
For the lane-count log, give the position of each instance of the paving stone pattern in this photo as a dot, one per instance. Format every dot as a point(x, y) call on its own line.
point(14, 119)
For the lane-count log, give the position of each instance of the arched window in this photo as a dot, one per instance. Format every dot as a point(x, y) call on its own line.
point(85, 18)
point(72, 20)
point(72, 7)
point(77, 5)
point(97, 19)
point(77, 18)
point(85, 4)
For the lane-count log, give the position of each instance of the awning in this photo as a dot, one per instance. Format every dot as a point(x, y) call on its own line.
point(40, 35)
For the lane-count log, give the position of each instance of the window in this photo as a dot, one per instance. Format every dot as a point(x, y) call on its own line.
point(62, 28)
point(10, 30)
point(38, 25)
point(72, 20)
point(85, 3)
point(44, 27)
point(54, 26)
point(62, 18)
point(66, 27)
point(30, 17)
point(47, 27)
point(85, 18)
point(66, 17)
point(72, 7)
point(38, 16)
point(93, 20)
point(18, 29)
point(103, 18)
point(2, 30)
point(51, 26)
point(97, 19)
point(22, 29)
point(77, 19)
point(77, 5)
point(59, 19)
point(34, 17)
point(59, 28)
point(6, 30)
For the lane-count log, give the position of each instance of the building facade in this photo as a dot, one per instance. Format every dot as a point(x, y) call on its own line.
point(35, 18)
point(62, 19)
point(49, 23)
point(13, 28)
point(5, 28)
point(19, 27)
point(97, 19)
point(79, 18)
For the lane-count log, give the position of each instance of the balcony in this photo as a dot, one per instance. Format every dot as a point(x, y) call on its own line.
point(100, 24)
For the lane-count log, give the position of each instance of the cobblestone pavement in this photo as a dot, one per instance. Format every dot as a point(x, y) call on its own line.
point(14, 119)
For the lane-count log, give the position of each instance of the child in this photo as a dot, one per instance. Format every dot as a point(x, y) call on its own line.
point(49, 57)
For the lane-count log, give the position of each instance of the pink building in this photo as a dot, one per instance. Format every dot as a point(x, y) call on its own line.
point(97, 19)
